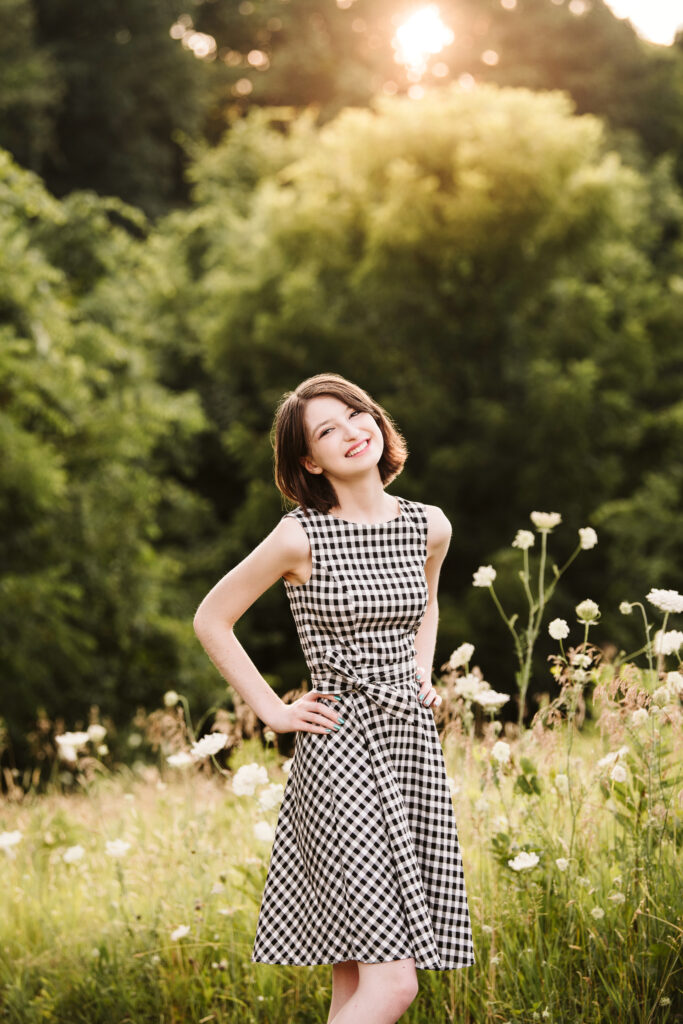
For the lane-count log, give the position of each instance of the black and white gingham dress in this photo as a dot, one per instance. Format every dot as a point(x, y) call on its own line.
point(365, 863)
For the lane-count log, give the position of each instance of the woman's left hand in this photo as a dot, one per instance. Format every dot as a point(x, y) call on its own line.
point(427, 695)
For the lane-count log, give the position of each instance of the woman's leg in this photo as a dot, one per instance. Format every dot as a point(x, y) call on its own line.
point(344, 984)
point(384, 993)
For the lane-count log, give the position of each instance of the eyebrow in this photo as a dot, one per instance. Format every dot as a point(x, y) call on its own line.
point(328, 421)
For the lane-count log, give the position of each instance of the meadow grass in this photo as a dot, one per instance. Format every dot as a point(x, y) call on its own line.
point(589, 933)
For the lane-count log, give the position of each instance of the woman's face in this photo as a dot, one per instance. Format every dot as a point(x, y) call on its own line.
point(342, 441)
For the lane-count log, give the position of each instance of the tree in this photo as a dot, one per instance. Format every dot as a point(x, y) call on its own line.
point(130, 92)
point(92, 450)
point(486, 266)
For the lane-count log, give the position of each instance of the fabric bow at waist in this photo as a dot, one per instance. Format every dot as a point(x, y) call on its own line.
point(397, 696)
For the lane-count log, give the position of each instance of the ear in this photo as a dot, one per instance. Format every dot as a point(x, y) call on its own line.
point(311, 466)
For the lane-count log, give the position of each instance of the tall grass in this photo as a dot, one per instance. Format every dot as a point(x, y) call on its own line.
point(591, 932)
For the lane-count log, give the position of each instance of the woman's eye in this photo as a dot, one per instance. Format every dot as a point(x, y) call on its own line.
point(356, 412)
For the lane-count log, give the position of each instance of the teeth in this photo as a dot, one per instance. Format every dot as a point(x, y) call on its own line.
point(357, 448)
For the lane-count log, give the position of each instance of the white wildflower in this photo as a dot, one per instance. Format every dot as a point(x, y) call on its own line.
point(664, 695)
point(588, 537)
point(484, 576)
point(269, 735)
point(496, 958)
point(171, 698)
point(545, 520)
point(617, 897)
point(102, 750)
point(217, 888)
point(9, 840)
point(469, 686)
point(524, 539)
point(610, 758)
point(523, 860)
point(73, 854)
point(597, 913)
point(487, 928)
point(666, 600)
point(72, 739)
point(675, 681)
point(286, 765)
point(208, 745)
point(67, 753)
point(667, 643)
point(461, 656)
point(562, 783)
point(587, 611)
point(490, 699)
point(271, 796)
point(181, 759)
point(562, 863)
point(581, 660)
point(117, 847)
point(639, 716)
point(618, 773)
point(96, 732)
point(500, 752)
point(180, 932)
point(248, 777)
point(135, 740)
point(558, 629)
point(625, 607)
point(264, 830)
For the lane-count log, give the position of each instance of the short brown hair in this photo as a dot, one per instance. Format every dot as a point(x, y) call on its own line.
point(290, 443)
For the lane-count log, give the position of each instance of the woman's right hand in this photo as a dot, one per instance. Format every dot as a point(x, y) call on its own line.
point(306, 714)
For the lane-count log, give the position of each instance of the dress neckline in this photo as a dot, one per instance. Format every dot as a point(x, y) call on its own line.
point(383, 522)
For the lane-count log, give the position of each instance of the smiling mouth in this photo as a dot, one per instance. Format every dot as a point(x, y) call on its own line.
point(358, 449)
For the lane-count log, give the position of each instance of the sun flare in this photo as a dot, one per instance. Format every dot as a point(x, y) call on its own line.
point(420, 36)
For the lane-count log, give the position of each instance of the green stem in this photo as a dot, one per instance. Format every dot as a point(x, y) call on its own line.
point(505, 619)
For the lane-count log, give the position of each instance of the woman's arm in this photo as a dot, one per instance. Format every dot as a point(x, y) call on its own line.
point(439, 532)
point(282, 551)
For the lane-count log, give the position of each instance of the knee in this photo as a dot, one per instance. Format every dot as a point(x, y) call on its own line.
point(402, 992)
point(408, 990)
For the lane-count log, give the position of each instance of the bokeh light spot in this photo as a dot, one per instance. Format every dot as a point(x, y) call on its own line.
point(421, 35)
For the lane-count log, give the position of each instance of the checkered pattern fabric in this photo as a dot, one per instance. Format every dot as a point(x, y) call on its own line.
point(365, 863)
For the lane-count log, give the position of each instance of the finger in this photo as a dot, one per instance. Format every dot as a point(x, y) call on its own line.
point(329, 717)
point(308, 726)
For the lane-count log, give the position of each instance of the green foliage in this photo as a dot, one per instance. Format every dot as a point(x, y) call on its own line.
point(31, 87)
point(481, 261)
point(527, 780)
point(486, 266)
point(86, 591)
point(127, 92)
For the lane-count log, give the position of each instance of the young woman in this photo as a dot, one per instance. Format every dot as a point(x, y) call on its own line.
point(365, 870)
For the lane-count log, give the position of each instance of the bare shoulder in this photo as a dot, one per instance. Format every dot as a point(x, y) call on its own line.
point(295, 548)
point(291, 538)
point(439, 530)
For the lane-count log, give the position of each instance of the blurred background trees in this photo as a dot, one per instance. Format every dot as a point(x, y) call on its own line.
point(202, 206)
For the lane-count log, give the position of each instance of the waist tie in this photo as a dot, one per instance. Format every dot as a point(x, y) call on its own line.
point(337, 674)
